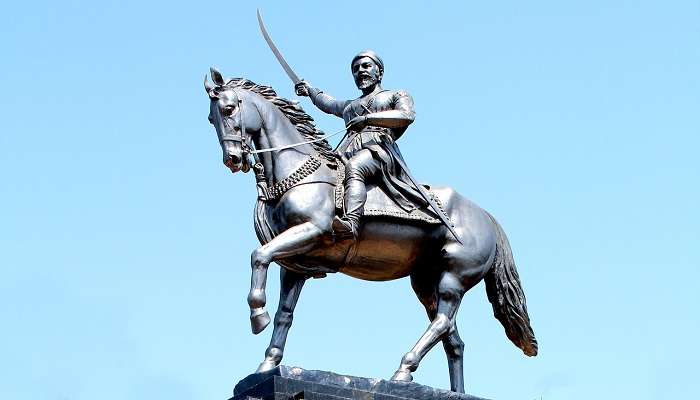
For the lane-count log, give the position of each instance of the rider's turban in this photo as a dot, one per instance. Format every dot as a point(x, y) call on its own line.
point(371, 54)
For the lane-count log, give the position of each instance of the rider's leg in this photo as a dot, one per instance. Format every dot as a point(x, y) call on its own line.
point(359, 168)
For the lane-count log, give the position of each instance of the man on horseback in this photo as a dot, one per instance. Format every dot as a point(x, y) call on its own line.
point(375, 120)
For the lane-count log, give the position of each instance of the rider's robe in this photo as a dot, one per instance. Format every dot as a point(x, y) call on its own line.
point(391, 112)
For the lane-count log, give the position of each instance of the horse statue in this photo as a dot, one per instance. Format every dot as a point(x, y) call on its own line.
point(297, 175)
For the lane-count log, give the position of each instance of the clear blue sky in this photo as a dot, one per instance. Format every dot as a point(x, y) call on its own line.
point(124, 242)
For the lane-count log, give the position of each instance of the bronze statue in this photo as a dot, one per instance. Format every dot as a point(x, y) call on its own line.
point(445, 243)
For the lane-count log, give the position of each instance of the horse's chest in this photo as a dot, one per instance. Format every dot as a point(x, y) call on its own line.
point(303, 203)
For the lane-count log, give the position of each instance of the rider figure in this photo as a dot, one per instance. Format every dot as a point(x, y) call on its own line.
point(375, 120)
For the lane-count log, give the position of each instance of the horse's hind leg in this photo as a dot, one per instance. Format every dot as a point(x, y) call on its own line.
point(290, 289)
point(449, 295)
point(424, 286)
point(454, 348)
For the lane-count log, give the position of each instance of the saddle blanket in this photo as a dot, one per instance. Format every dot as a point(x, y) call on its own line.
point(380, 205)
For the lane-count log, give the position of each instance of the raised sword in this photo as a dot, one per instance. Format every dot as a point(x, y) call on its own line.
point(290, 72)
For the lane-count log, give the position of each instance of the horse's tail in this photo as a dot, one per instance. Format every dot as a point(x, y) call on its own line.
point(506, 295)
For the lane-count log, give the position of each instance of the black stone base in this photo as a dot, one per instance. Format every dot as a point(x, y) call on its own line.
point(292, 383)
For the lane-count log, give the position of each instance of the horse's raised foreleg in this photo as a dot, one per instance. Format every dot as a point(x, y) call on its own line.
point(291, 284)
point(449, 296)
point(295, 240)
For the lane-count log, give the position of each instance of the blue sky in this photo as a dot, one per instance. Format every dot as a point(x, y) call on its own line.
point(125, 243)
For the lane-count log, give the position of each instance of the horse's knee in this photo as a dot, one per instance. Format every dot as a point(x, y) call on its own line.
point(260, 258)
point(284, 318)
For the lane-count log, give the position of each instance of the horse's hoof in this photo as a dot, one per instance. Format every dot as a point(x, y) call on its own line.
point(266, 366)
point(402, 376)
point(259, 320)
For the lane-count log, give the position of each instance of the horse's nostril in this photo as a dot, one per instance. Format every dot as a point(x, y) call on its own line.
point(235, 159)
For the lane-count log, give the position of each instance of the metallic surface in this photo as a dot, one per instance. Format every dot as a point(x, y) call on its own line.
point(296, 232)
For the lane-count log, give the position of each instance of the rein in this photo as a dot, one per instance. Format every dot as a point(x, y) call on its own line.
point(250, 150)
point(289, 146)
point(266, 191)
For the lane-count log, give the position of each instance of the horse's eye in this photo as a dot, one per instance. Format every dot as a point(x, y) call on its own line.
point(228, 110)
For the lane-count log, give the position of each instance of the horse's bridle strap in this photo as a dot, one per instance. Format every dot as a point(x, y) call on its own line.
point(241, 139)
point(250, 150)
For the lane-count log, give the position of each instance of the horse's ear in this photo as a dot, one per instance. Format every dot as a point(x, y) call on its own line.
point(216, 76)
point(208, 86)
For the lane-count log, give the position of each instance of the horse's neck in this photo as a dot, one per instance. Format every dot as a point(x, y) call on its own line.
point(278, 131)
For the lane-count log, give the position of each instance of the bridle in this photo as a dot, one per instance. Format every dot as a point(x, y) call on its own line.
point(228, 137)
point(266, 190)
point(246, 143)
point(242, 138)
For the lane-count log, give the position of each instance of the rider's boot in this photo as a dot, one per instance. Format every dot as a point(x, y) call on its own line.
point(355, 197)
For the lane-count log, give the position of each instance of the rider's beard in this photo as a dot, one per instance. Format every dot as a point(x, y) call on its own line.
point(365, 82)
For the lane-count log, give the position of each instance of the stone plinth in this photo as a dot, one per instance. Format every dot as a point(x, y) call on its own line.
point(292, 383)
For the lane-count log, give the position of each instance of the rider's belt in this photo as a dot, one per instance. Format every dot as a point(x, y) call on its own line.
point(354, 135)
point(379, 129)
point(370, 129)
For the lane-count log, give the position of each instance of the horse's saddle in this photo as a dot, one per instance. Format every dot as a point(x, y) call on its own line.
point(379, 204)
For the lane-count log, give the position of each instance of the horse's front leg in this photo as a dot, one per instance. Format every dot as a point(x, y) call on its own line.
point(295, 240)
point(291, 284)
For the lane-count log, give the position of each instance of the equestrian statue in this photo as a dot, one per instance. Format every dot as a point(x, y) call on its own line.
point(358, 211)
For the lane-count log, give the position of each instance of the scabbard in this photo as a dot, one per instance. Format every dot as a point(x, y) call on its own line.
point(424, 193)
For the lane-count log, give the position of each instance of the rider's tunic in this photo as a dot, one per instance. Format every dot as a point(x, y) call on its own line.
point(380, 141)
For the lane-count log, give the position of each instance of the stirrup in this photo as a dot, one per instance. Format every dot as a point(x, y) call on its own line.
point(344, 228)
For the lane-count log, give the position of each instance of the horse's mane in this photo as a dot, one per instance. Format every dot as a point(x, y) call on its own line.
point(303, 122)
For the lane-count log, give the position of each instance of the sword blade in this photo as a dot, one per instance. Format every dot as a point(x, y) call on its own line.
point(290, 72)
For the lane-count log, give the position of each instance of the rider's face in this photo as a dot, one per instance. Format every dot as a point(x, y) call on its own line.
point(366, 73)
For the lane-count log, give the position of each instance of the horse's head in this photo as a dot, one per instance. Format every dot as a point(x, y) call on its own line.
point(233, 113)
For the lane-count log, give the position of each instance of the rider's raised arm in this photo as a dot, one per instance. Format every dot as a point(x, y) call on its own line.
point(327, 103)
point(401, 116)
